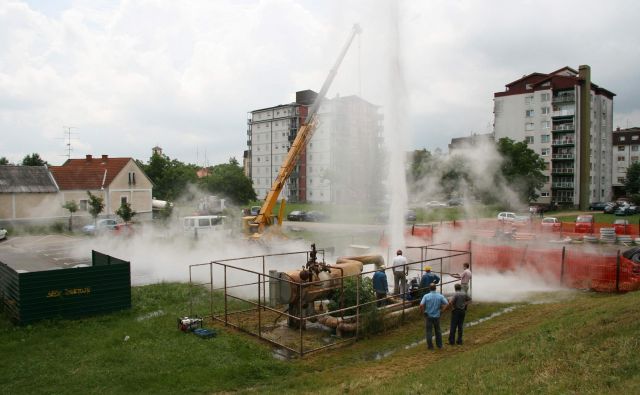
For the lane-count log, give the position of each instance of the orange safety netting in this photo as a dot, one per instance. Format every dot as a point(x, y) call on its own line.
point(572, 268)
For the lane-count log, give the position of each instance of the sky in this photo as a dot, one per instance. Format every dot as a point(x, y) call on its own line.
point(124, 76)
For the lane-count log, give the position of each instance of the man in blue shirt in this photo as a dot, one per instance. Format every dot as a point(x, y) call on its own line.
point(380, 285)
point(430, 306)
point(427, 279)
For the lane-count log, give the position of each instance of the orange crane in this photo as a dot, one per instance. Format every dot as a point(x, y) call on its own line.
point(256, 226)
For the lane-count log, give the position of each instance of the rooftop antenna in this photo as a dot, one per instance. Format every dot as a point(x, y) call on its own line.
point(68, 138)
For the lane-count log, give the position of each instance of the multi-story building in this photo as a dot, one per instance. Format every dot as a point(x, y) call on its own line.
point(567, 120)
point(626, 150)
point(270, 132)
point(470, 141)
point(340, 160)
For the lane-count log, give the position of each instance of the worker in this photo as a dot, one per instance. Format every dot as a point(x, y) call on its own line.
point(458, 303)
point(431, 306)
point(380, 285)
point(428, 278)
point(399, 273)
point(465, 278)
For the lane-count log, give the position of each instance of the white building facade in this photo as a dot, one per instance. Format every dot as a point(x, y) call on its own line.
point(626, 151)
point(548, 111)
point(332, 167)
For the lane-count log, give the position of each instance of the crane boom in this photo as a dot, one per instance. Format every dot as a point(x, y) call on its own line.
point(302, 137)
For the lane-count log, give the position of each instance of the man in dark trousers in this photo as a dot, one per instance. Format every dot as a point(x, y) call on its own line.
point(458, 303)
point(380, 285)
point(431, 306)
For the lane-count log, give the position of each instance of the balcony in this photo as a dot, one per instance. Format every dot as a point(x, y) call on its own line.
point(564, 127)
point(564, 98)
point(561, 142)
point(562, 156)
point(562, 185)
point(563, 113)
point(563, 199)
point(562, 170)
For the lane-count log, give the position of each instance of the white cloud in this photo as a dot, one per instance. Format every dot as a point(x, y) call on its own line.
point(132, 74)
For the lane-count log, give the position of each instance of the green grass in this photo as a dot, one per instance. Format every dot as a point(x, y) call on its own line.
point(601, 218)
point(585, 344)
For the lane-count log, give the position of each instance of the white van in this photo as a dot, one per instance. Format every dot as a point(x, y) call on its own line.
point(204, 224)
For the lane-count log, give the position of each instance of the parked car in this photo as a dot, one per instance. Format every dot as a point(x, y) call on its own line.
point(506, 216)
point(410, 216)
point(522, 220)
point(551, 224)
point(101, 226)
point(455, 202)
point(624, 209)
point(610, 208)
point(621, 226)
point(597, 206)
point(255, 210)
point(3, 234)
point(584, 224)
point(315, 216)
point(296, 216)
point(435, 204)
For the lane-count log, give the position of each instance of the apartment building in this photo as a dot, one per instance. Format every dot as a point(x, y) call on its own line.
point(626, 150)
point(344, 156)
point(345, 146)
point(567, 120)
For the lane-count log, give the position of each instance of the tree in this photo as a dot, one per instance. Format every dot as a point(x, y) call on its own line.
point(125, 212)
point(170, 177)
point(229, 180)
point(165, 213)
point(632, 181)
point(33, 160)
point(72, 207)
point(4, 161)
point(96, 205)
point(521, 168)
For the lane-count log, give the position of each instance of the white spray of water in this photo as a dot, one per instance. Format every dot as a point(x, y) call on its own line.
point(396, 133)
point(518, 286)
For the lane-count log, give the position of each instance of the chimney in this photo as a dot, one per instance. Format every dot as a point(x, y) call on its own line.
point(105, 157)
point(89, 158)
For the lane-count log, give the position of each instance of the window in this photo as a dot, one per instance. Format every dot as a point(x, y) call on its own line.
point(545, 97)
point(622, 169)
point(528, 126)
point(528, 99)
point(634, 147)
point(634, 137)
point(123, 200)
point(545, 110)
point(621, 148)
point(620, 158)
point(620, 180)
point(621, 138)
point(83, 204)
point(544, 152)
point(544, 194)
point(529, 113)
point(545, 138)
point(634, 159)
point(132, 178)
point(528, 86)
point(545, 124)
point(528, 139)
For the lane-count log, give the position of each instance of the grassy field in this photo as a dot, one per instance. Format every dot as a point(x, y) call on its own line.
point(579, 343)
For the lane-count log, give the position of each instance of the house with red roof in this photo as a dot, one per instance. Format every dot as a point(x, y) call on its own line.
point(116, 180)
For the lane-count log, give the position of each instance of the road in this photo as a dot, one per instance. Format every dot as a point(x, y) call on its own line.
point(43, 252)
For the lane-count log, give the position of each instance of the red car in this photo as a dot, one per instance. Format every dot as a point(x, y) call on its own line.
point(584, 224)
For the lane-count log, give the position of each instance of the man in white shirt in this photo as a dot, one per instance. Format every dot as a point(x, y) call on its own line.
point(400, 273)
point(465, 278)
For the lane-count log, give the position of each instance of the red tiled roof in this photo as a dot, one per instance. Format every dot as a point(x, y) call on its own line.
point(89, 173)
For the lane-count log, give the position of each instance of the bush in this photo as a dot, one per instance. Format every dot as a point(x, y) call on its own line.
point(350, 295)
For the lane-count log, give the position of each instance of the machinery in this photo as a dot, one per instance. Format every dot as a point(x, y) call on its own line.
point(315, 281)
point(255, 226)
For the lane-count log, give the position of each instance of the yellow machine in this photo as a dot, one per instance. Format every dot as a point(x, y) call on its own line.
point(256, 226)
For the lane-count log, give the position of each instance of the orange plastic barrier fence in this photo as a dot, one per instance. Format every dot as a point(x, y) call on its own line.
point(572, 268)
